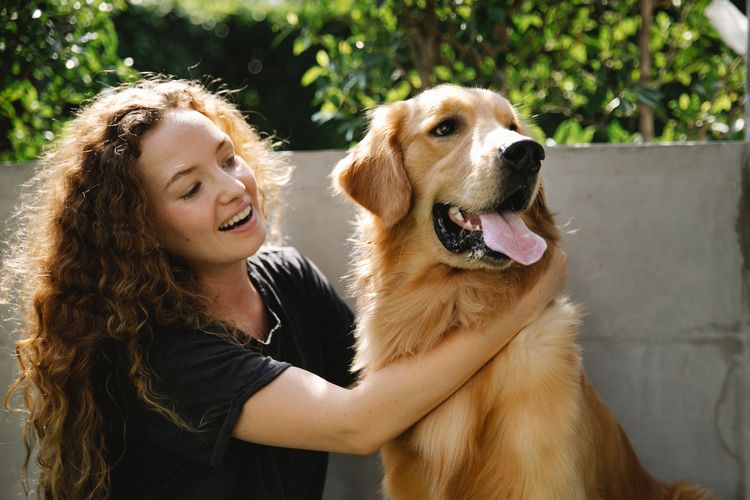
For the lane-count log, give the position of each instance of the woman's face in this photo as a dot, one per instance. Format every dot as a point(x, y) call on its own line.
point(203, 195)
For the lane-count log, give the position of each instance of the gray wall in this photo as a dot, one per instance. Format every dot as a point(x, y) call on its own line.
point(657, 238)
point(12, 452)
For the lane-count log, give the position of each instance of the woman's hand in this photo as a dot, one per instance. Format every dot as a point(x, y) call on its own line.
point(549, 286)
point(505, 324)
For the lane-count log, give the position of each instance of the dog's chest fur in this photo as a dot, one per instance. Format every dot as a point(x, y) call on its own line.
point(515, 418)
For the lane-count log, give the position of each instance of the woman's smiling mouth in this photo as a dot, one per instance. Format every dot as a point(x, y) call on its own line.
point(238, 220)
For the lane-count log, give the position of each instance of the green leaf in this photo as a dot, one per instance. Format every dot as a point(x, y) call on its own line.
point(321, 57)
point(399, 92)
point(300, 45)
point(684, 102)
point(443, 73)
point(311, 75)
point(578, 53)
point(721, 103)
point(571, 132)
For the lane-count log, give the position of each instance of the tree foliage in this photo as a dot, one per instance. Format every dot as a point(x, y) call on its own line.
point(53, 55)
point(572, 67)
point(244, 47)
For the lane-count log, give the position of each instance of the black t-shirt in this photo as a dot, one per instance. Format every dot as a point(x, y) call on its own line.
point(208, 379)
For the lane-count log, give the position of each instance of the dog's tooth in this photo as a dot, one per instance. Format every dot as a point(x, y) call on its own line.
point(456, 212)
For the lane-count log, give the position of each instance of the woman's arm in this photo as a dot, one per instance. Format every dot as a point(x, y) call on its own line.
point(301, 410)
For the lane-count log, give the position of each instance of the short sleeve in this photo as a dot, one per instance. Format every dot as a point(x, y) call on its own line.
point(206, 379)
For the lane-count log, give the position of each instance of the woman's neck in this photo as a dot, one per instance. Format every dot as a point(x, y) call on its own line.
point(234, 299)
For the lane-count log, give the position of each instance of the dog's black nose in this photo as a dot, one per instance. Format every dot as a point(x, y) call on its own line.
point(523, 156)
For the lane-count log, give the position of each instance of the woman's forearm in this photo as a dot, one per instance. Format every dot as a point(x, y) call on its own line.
point(302, 410)
point(390, 400)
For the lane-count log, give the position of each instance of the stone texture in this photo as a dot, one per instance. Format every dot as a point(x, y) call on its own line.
point(655, 243)
point(679, 404)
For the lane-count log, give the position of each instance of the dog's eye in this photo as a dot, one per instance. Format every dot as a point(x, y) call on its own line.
point(513, 126)
point(445, 128)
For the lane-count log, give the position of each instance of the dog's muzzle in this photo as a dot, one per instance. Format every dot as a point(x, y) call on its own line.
point(498, 233)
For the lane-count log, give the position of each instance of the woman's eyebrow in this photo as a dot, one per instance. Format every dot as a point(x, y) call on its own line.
point(179, 174)
point(223, 143)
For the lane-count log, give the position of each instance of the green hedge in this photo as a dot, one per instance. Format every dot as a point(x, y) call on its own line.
point(54, 54)
point(307, 70)
point(573, 67)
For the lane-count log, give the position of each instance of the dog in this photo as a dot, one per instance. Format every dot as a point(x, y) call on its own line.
point(454, 226)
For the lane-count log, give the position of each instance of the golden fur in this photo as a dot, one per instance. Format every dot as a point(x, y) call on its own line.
point(528, 425)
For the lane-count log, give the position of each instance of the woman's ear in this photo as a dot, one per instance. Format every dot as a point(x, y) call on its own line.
point(373, 173)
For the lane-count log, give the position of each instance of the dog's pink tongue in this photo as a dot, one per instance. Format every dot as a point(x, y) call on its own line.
point(507, 233)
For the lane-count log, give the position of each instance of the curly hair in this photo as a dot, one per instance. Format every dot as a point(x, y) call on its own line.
point(89, 277)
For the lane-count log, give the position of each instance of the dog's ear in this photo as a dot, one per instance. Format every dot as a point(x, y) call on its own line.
point(373, 173)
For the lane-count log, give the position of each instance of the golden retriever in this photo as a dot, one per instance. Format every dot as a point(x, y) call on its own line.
point(455, 225)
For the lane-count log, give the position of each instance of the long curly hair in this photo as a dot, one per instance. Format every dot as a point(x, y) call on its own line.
point(89, 277)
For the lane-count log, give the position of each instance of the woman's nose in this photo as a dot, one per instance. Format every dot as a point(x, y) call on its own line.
point(231, 188)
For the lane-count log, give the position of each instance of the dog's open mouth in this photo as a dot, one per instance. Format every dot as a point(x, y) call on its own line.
point(499, 234)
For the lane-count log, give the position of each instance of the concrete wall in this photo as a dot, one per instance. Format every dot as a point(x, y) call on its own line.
point(657, 243)
point(12, 452)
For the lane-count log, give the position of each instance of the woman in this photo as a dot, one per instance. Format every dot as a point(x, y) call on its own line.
point(164, 354)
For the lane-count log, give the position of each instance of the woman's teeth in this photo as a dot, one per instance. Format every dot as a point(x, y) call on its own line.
point(237, 218)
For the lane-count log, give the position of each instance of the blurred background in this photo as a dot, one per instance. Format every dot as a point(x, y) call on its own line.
point(581, 71)
point(642, 107)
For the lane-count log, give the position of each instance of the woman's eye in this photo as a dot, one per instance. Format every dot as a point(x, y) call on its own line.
point(193, 191)
point(445, 128)
point(231, 161)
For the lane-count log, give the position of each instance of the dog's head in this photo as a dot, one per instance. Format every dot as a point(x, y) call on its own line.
point(453, 165)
